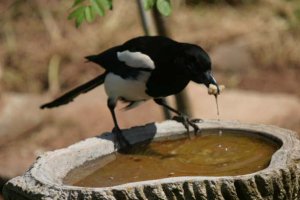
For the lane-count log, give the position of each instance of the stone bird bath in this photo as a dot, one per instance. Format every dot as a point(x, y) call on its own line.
point(279, 180)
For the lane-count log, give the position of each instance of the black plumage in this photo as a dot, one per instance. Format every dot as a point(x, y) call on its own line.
point(145, 68)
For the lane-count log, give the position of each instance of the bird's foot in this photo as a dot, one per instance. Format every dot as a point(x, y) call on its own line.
point(187, 123)
point(121, 141)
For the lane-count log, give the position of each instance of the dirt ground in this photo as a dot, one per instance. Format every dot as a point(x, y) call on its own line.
point(254, 49)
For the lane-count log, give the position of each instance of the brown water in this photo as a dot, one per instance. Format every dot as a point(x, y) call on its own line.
point(208, 155)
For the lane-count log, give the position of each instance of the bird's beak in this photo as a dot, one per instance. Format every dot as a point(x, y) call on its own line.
point(209, 79)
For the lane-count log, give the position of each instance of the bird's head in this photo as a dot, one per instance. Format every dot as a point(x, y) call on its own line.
point(198, 65)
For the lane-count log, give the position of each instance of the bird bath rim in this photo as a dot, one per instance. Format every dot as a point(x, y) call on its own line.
point(50, 168)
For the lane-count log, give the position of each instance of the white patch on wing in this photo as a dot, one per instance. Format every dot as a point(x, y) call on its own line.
point(136, 59)
point(130, 89)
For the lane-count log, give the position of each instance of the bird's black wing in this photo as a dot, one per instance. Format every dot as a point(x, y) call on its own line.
point(167, 73)
point(110, 60)
point(69, 96)
point(135, 55)
point(171, 73)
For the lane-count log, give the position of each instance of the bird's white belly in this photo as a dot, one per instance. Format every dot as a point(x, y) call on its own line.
point(130, 89)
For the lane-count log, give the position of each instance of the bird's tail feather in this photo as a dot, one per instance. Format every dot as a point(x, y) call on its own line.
point(69, 96)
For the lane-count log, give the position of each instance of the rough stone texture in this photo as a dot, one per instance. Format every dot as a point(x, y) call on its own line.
point(281, 180)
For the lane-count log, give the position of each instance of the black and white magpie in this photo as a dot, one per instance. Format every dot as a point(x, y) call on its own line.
point(143, 68)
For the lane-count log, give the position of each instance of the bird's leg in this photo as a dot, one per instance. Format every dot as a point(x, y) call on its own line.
point(121, 140)
point(184, 119)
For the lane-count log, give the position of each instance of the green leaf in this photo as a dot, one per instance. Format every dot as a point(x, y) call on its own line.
point(79, 19)
point(111, 7)
point(107, 4)
point(148, 4)
point(89, 14)
point(164, 7)
point(77, 2)
point(76, 13)
point(98, 7)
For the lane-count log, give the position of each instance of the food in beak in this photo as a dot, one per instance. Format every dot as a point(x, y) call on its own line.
point(214, 89)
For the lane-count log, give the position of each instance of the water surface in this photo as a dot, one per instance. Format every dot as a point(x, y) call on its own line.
point(208, 155)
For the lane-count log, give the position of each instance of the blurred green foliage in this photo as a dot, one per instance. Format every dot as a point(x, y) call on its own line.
point(87, 10)
point(83, 11)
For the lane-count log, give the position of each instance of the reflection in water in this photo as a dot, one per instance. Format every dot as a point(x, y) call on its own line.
point(207, 155)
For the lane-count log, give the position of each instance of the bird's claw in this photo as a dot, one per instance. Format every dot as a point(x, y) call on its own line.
point(120, 140)
point(188, 122)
